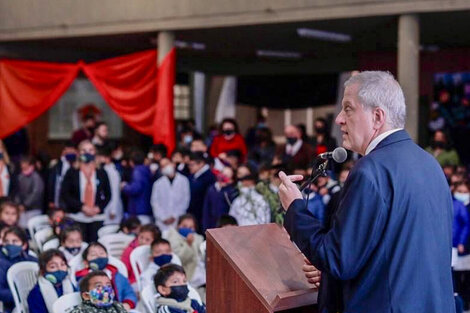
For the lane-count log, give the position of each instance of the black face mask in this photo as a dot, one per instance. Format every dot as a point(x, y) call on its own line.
point(179, 293)
point(228, 132)
point(291, 140)
point(320, 130)
point(438, 145)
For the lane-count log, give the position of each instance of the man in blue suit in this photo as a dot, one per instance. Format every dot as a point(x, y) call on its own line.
point(389, 245)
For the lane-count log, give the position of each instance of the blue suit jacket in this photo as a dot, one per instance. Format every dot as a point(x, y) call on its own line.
point(389, 246)
point(199, 187)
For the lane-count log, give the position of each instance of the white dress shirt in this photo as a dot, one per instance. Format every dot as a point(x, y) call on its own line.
point(379, 138)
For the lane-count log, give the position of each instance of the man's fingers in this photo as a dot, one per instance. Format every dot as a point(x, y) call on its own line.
point(308, 268)
point(288, 179)
point(313, 274)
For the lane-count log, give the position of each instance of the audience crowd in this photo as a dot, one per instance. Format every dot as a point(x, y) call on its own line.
point(157, 206)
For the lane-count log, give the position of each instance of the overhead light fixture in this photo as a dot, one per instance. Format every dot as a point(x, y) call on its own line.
point(323, 35)
point(190, 45)
point(278, 54)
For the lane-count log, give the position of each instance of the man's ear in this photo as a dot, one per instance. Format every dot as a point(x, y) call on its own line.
point(85, 296)
point(163, 290)
point(379, 117)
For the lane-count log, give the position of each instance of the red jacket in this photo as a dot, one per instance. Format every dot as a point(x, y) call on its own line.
point(220, 145)
point(126, 259)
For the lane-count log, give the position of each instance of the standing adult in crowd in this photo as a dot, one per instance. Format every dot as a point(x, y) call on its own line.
point(30, 192)
point(100, 135)
point(139, 189)
point(7, 177)
point(442, 150)
point(295, 153)
point(322, 141)
point(170, 195)
point(68, 159)
point(85, 192)
point(87, 130)
point(378, 256)
point(229, 139)
point(200, 180)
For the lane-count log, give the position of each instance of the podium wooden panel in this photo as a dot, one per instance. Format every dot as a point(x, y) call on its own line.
point(255, 269)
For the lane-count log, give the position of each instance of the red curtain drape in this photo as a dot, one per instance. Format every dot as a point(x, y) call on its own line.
point(28, 89)
point(136, 90)
point(128, 84)
point(164, 119)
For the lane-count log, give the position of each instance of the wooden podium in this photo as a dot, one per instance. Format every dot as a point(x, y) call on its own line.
point(255, 269)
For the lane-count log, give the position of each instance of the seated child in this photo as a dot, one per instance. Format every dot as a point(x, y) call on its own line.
point(130, 226)
point(171, 284)
point(53, 282)
point(147, 234)
point(9, 215)
point(14, 250)
point(71, 242)
point(161, 254)
point(95, 257)
point(98, 295)
point(185, 242)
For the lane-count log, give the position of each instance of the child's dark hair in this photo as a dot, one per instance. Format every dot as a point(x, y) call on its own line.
point(159, 241)
point(18, 231)
point(53, 210)
point(225, 220)
point(165, 272)
point(68, 230)
point(46, 256)
point(9, 203)
point(91, 245)
point(151, 228)
point(187, 216)
point(131, 222)
point(85, 281)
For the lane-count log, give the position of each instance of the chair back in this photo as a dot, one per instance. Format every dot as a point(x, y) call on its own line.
point(36, 223)
point(140, 259)
point(116, 243)
point(67, 303)
point(41, 236)
point(21, 278)
point(107, 230)
point(51, 244)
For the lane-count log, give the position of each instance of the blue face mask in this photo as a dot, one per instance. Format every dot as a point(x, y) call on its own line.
point(55, 277)
point(179, 293)
point(185, 231)
point(73, 250)
point(12, 251)
point(71, 157)
point(162, 259)
point(87, 157)
point(98, 263)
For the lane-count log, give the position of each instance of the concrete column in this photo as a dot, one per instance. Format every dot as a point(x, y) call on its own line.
point(166, 42)
point(408, 69)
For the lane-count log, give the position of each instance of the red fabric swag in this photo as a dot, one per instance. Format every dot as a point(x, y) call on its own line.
point(128, 84)
point(164, 124)
point(28, 89)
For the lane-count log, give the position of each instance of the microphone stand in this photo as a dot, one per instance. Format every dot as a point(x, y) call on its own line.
point(316, 172)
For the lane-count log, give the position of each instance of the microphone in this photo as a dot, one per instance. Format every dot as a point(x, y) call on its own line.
point(338, 155)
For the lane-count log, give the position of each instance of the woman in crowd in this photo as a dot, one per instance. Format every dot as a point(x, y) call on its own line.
point(229, 139)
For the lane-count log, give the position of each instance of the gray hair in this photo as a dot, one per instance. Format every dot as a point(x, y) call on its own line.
point(380, 89)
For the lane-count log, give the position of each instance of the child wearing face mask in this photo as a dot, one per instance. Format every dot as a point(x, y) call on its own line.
point(186, 243)
point(71, 242)
point(53, 282)
point(95, 257)
point(98, 295)
point(173, 293)
point(161, 254)
point(147, 234)
point(30, 192)
point(14, 249)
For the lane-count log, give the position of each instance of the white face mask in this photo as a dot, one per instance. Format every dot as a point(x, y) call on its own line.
point(168, 170)
point(462, 197)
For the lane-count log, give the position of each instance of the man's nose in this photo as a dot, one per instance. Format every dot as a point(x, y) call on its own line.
point(339, 119)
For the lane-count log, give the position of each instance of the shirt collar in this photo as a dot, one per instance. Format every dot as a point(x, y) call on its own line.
point(379, 138)
point(295, 147)
point(201, 171)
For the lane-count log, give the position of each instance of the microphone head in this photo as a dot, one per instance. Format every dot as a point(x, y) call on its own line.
point(339, 155)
